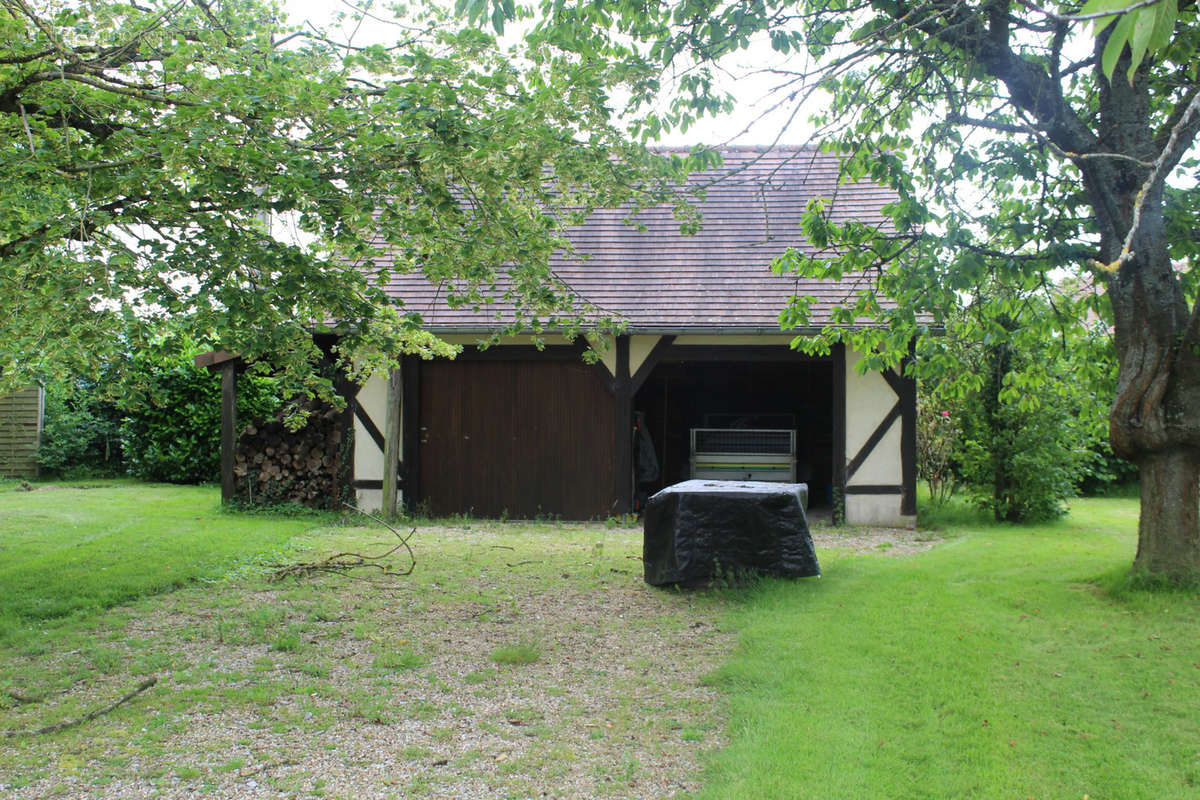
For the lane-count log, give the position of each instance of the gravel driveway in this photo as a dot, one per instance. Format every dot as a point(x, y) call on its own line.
point(517, 661)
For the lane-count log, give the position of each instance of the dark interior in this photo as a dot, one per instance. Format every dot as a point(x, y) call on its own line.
point(796, 394)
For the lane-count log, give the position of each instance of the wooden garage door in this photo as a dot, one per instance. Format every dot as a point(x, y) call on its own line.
point(524, 437)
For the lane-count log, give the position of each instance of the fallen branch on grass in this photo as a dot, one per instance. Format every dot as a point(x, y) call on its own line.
point(342, 563)
point(22, 699)
point(70, 723)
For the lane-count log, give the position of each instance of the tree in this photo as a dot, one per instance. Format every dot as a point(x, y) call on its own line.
point(153, 150)
point(1020, 143)
point(1022, 458)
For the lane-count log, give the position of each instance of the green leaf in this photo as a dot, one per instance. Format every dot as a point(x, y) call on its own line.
point(1164, 24)
point(1097, 6)
point(1143, 29)
point(1115, 46)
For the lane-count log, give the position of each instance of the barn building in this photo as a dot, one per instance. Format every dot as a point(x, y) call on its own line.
point(700, 382)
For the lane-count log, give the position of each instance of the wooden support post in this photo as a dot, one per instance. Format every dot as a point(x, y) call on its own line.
point(391, 443)
point(622, 430)
point(839, 433)
point(228, 429)
point(410, 423)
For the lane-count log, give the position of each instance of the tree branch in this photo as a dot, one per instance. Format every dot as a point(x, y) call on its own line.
point(27, 58)
point(1088, 17)
point(1162, 166)
point(104, 85)
point(1170, 126)
point(61, 726)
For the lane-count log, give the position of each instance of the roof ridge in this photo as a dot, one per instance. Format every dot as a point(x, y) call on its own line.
point(738, 148)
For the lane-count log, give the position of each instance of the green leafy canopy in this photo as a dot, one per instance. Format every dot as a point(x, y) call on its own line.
point(211, 163)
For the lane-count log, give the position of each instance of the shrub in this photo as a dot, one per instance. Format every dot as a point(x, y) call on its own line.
point(937, 440)
point(172, 427)
point(80, 432)
point(1109, 472)
point(1026, 437)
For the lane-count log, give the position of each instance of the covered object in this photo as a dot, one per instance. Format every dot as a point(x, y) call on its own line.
point(699, 528)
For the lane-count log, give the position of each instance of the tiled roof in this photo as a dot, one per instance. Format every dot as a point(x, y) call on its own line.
point(660, 280)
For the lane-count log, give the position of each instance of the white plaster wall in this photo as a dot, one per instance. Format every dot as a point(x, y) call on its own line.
point(869, 398)
point(608, 355)
point(370, 499)
point(368, 458)
point(639, 350)
point(640, 346)
point(876, 509)
point(883, 465)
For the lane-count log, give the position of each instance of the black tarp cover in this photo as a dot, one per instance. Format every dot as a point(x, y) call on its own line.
point(696, 528)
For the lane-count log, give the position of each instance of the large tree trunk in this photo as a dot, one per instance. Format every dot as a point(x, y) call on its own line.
point(1169, 527)
point(1155, 417)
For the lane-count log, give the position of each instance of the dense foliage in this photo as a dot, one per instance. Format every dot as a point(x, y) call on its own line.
point(171, 430)
point(1022, 464)
point(81, 432)
point(163, 426)
point(212, 162)
point(1020, 456)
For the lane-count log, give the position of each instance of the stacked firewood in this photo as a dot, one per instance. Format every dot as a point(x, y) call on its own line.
point(310, 466)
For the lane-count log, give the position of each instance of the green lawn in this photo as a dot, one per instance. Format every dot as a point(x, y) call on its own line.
point(994, 666)
point(1007, 662)
point(66, 551)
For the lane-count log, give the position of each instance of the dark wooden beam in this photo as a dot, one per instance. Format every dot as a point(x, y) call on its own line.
point(908, 442)
point(391, 443)
point(873, 440)
point(863, 488)
point(369, 425)
point(622, 385)
point(410, 428)
point(652, 358)
point(698, 352)
point(215, 358)
point(894, 381)
point(348, 390)
point(228, 428)
point(838, 353)
point(523, 352)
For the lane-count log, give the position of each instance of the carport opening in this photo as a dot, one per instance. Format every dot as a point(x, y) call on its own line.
point(795, 395)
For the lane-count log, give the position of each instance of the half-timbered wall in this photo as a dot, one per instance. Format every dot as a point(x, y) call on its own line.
point(494, 433)
point(369, 419)
point(880, 416)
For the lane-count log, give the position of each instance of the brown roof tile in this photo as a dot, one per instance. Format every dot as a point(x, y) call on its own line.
point(661, 280)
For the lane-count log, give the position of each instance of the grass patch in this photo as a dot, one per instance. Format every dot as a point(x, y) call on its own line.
point(996, 665)
point(404, 660)
point(524, 653)
point(68, 551)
